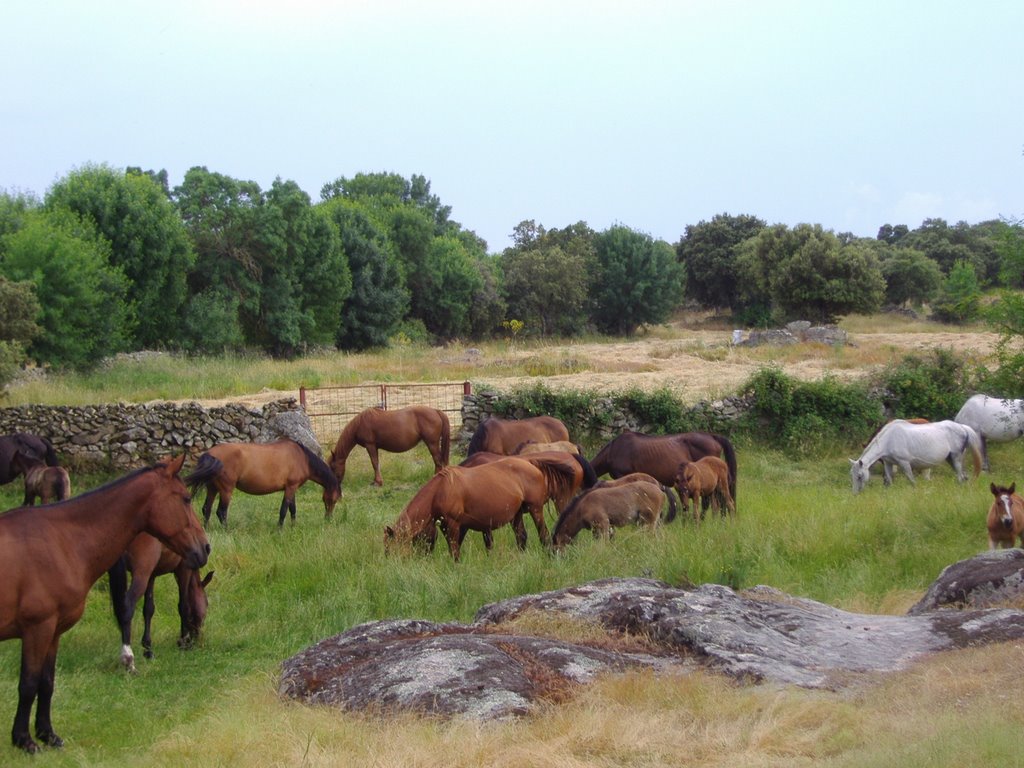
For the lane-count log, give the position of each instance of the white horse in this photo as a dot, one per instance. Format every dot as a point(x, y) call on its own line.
point(993, 418)
point(917, 446)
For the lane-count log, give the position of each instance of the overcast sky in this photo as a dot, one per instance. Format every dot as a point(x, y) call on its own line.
point(645, 113)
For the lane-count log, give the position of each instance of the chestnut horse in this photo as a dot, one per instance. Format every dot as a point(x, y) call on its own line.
point(660, 455)
point(643, 477)
point(702, 482)
point(498, 435)
point(396, 432)
point(1005, 517)
point(31, 447)
point(481, 498)
point(147, 558)
point(261, 468)
point(42, 481)
point(561, 492)
point(607, 506)
point(52, 555)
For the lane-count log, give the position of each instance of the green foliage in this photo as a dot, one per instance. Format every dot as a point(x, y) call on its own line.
point(910, 277)
point(807, 273)
point(578, 409)
point(660, 411)
point(637, 281)
point(19, 309)
point(443, 288)
point(959, 301)
point(84, 311)
point(148, 243)
point(932, 386)
point(806, 418)
point(708, 252)
point(212, 324)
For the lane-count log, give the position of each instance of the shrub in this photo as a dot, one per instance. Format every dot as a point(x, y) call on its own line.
point(931, 387)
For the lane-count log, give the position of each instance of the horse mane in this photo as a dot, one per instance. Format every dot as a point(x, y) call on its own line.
point(347, 438)
point(479, 438)
point(323, 473)
point(570, 509)
point(207, 468)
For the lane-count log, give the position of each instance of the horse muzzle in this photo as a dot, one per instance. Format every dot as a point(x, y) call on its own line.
point(197, 555)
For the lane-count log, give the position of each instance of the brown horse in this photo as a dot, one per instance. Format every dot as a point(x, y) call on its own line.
point(505, 435)
point(660, 455)
point(702, 482)
point(52, 555)
point(396, 432)
point(532, 446)
point(147, 558)
point(31, 447)
point(1005, 517)
point(42, 481)
point(261, 468)
point(561, 491)
point(605, 507)
point(481, 498)
point(643, 477)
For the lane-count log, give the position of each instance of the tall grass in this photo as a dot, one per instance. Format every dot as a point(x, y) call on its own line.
point(799, 529)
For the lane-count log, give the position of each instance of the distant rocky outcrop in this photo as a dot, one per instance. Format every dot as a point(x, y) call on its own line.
point(489, 670)
point(793, 333)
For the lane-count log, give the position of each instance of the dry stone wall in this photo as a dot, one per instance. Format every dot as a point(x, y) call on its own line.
point(121, 436)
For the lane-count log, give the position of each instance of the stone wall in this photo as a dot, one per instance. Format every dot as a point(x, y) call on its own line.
point(121, 436)
point(602, 421)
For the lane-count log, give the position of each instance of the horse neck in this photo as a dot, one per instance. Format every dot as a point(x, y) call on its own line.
point(347, 438)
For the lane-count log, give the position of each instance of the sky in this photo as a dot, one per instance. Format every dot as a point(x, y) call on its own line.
point(650, 114)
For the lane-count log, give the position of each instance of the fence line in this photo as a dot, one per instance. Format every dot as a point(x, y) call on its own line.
point(330, 408)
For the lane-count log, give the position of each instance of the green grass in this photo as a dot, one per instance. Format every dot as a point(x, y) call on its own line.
point(799, 529)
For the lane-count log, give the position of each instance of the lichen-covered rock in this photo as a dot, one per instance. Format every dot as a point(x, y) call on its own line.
point(988, 579)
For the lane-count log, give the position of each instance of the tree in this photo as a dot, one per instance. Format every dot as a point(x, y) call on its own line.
point(148, 242)
point(83, 298)
point(910, 277)
point(637, 281)
point(378, 301)
point(959, 301)
point(708, 252)
point(443, 287)
point(544, 277)
point(19, 309)
point(804, 273)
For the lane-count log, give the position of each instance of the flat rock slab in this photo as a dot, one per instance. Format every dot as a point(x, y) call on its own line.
point(479, 671)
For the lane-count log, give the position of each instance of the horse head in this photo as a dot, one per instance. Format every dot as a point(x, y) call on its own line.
point(859, 474)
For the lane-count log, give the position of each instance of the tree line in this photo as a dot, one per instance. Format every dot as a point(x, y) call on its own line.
point(113, 260)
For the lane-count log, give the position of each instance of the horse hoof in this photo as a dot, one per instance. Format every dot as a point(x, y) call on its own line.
point(26, 744)
point(51, 740)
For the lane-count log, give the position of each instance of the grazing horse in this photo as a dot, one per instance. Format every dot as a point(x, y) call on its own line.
point(1005, 517)
point(497, 435)
point(702, 482)
point(31, 447)
point(396, 432)
point(52, 555)
point(532, 446)
point(643, 477)
point(42, 481)
point(917, 446)
point(561, 492)
point(607, 506)
point(660, 455)
point(481, 498)
point(146, 558)
point(258, 469)
point(993, 418)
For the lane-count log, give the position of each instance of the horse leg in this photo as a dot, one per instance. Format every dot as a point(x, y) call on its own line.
point(44, 728)
point(886, 472)
point(211, 492)
point(984, 452)
point(453, 533)
point(956, 462)
point(131, 600)
point(537, 513)
point(148, 609)
point(908, 471)
point(371, 450)
point(38, 665)
point(519, 528)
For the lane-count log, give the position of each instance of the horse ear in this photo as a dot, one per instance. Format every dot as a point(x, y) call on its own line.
point(992, 487)
point(1013, 487)
point(389, 532)
point(207, 579)
point(174, 465)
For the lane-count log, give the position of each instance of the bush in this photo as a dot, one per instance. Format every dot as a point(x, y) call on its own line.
point(931, 387)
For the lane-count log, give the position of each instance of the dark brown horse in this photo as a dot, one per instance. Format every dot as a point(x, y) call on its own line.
point(31, 447)
point(52, 555)
point(505, 435)
point(42, 481)
point(396, 432)
point(481, 498)
point(660, 455)
point(261, 468)
point(145, 559)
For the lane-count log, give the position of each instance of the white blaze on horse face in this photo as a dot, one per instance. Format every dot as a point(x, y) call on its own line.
point(1007, 518)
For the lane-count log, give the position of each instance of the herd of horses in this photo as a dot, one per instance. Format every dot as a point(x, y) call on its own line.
point(143, 523)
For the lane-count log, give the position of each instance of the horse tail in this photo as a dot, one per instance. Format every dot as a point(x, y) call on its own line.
point(446, 438)
point(207, 468)
point(478, 441)
point(974, 443)
point(671, 496)
point(589, 475)
point(730, 461)
point(118, 578)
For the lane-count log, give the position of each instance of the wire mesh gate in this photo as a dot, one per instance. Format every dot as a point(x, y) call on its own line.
point(330, 408)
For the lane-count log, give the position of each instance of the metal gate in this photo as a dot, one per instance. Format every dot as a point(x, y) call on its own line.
point(330, 408)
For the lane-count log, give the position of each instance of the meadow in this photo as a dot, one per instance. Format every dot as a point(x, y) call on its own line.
point(799, 529)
